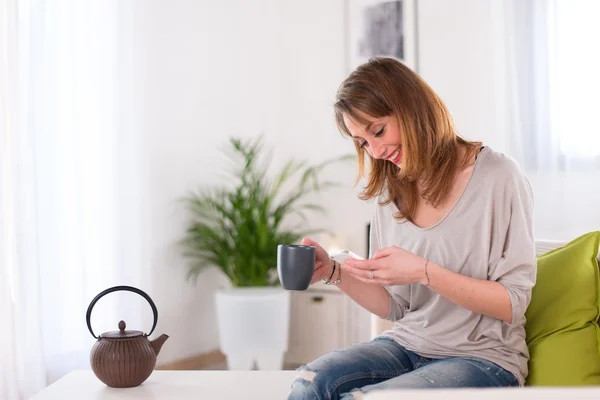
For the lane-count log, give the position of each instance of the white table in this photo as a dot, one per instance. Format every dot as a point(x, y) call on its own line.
point(266, 385)
point(196, 385)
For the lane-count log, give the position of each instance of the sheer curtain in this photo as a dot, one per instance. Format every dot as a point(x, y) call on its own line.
point(68, 209)
point(548, 84)
point(21, 356)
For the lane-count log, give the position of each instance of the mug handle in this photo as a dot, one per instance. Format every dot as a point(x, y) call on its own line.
point(115, 289)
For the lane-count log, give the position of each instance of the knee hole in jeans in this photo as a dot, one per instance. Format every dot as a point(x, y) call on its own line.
point(305, 375)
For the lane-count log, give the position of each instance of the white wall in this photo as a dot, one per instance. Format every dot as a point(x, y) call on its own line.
point(205, 71)
point(457, 59)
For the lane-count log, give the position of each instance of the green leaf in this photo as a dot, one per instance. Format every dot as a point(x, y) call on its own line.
point(237, 228)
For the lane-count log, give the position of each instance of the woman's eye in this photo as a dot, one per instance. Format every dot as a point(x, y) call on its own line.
point(379, 132)
point(363, 144)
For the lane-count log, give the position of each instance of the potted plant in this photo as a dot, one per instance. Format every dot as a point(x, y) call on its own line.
point(237, 229)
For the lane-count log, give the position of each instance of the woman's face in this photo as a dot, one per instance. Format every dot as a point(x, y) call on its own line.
point(380, 137)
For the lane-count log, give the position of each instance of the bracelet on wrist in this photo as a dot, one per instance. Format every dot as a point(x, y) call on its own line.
point(427, 273)
point(328, 281)
point(339, 276)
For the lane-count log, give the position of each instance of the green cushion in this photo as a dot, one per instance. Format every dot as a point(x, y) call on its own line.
point(563, 335)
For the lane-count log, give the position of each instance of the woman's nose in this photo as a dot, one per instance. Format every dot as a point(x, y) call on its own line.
point(379, 152)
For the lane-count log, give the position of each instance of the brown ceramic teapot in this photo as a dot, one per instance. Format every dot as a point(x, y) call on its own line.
point(124, 358)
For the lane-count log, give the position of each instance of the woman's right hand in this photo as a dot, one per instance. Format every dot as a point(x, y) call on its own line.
point(323, 264)
point(373, 298)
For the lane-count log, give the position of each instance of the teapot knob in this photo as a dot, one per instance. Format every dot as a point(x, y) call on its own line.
point(122, 325)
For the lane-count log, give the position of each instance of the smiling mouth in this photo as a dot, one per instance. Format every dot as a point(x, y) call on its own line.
point(395, 156)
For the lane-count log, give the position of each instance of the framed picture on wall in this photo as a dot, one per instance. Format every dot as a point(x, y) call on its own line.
point(381, 28)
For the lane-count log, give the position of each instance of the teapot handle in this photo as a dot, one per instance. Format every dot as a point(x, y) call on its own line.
point(114, 289)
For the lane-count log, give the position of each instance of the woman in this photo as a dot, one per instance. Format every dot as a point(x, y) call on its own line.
point(453, 258)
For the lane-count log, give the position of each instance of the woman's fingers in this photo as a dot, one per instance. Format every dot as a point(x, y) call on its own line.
point(317, 272)
point(374, 281)
point(358, 272)
point(386, 251)
point(369, 276)
point(320, 253)
point(306, 242)
point(365, 265)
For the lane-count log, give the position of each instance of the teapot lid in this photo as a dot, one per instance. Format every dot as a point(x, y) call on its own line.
point(121, 333)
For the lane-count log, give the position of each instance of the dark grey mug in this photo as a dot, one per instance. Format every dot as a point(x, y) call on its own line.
point(295, 265)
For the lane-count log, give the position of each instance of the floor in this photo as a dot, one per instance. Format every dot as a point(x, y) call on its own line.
point(222, 366)
point(211, 361)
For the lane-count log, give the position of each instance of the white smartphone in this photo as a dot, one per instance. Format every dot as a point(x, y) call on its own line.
point(343, 255)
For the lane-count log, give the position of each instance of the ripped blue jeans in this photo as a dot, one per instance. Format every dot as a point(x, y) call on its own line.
point(384, 364)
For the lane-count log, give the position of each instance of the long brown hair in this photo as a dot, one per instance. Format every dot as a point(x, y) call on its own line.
point(430, 146)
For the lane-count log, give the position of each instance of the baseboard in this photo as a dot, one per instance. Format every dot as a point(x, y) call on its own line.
point(208, 360)
point(200, 361)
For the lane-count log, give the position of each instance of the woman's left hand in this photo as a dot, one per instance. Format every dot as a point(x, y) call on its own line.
point(388, 267)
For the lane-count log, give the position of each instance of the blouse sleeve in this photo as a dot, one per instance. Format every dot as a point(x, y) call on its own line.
point(398, 304)
point(516, 269)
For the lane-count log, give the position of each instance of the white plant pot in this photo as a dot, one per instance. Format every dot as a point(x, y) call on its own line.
point(253, 327)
